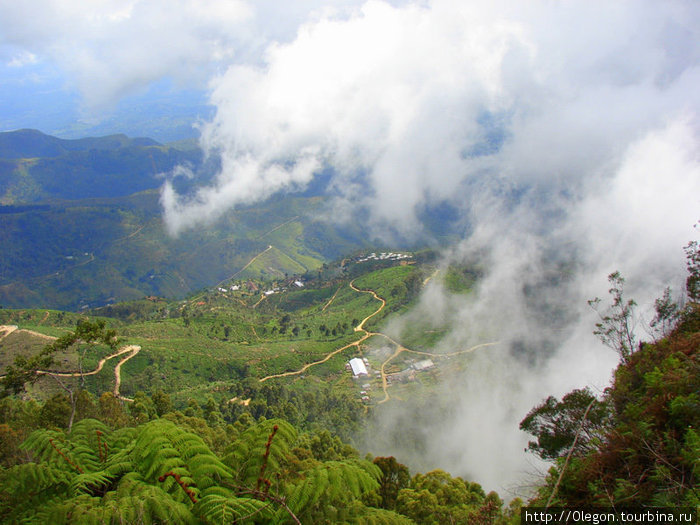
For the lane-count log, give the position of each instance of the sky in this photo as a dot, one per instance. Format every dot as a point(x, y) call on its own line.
point(564, 134)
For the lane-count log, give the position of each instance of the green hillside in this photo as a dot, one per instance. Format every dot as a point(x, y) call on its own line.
point(234, 339)
point(81, 226)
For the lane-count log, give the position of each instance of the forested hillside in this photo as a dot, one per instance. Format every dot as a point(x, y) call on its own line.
point(194, 448)
point(81, 226)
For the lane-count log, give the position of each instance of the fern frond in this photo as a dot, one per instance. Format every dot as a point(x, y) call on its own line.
point(333, 481)
point(85, 431)
point(161, 447)
point(137, 498)
point(31, 478)
point(247, 453)
point(88, 483)
point(53, 448)
point(29, 487)
point(215, 508)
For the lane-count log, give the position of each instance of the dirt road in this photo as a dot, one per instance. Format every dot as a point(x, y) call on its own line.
point(358, 328)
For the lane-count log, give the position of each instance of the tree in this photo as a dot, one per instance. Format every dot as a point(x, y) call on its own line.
point(692, 282)
point(395, 477)
point(668, 312)
point(162, 403)
point(616, 326)
point(555, 424)
point(28, 370)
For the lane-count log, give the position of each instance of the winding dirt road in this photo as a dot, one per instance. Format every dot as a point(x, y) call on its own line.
point(8, 329)
point(358, 328)
point(367, 334)
point(132, 350)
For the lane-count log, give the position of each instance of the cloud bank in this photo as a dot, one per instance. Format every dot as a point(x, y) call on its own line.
point(416, 104)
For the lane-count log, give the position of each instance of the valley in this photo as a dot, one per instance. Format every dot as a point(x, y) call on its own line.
point(304, 331)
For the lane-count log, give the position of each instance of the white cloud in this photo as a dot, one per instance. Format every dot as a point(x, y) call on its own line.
point(401, 94)
point(591, 167)
point(113, 48)
point(22, 59)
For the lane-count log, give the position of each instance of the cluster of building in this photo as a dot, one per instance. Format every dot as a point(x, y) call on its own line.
point(384, 256)
point(409, 374)
point(250, 286)
point(360, 368)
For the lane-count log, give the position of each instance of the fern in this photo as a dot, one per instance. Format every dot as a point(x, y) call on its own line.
point(160, 473)
point(248, 453)
point(218, 508)
point(332, 482)
point(52, 447)
point(162, 447)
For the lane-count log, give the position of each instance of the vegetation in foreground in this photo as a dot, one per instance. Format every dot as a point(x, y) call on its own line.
point(636, 445)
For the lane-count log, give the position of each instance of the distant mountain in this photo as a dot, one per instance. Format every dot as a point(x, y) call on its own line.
point(35, 166)
point(30, 143)
point(81, 225)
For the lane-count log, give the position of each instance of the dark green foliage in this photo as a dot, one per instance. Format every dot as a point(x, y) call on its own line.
point(647, 451)
point(395, 477)
point(158, 473)
point(436, 498)
point(555, 424)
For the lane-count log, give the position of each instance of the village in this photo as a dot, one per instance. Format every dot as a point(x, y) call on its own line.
point(364, 374)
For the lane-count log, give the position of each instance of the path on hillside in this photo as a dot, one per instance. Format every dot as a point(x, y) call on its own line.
point(135, 349)
point(132, 350)
point(125, 349)
point(400, 348)
point(331, 299)
point(8, 329)
point(129, 236)
point(278, 227)
point(358, 328)
point(367, 334)
point(269, 247)
point(431, 276)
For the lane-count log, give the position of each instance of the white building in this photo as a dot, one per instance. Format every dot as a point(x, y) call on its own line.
point(425, 364)
point(358, 367)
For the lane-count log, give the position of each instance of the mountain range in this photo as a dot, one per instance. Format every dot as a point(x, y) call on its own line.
point(81, 225)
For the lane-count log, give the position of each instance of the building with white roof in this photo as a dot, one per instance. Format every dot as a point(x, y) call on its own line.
point(358, 367)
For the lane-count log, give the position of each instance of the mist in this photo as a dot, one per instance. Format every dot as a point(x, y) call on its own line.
point(564, 134)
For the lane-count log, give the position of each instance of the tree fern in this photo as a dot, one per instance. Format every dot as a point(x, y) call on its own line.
point(53, 448)
point(160, 473)
point(216, 507)
point(161, 447)
point(248, 453)
point(332, 482)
